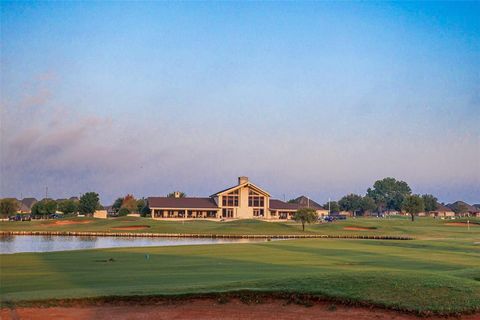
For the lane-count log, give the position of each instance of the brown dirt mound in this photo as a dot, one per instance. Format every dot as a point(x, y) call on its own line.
point(460, 224)
point(131, 227)
point(68, 222)
point(274, 309)
point(358, 229)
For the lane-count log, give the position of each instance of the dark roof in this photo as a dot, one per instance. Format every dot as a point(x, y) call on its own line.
point(73, 198)
point(181, 203)
point(29, 202)
point(469, 207)
point(280, 205)
point(22, 206)
point(305, 202)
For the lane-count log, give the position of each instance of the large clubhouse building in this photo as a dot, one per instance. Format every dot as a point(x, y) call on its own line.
point(243, 201)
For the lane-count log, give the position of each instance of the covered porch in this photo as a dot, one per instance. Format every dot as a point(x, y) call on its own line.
point(184, 214)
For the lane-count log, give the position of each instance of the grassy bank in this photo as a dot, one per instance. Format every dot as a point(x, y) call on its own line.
point(438, 273)
point(401, 226)
point(420, 276)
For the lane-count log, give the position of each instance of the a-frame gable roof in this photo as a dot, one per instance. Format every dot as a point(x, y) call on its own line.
point(246, 184)
point(305, 202)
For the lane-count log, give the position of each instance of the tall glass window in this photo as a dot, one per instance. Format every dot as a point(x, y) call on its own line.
point(255, 199)
point(230, 199)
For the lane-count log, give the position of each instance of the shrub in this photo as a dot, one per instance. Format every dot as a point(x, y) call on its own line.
point(123, 212)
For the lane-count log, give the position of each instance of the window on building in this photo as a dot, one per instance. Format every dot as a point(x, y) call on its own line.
point(230, 199)
point(227, 213)
point(258, 212)
point(211, 214)
point(255, 199)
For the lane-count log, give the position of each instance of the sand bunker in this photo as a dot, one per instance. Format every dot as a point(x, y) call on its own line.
point(358, 229)
point(131, 227)
point(460, 224)
point(213, 309)
point(68, 222)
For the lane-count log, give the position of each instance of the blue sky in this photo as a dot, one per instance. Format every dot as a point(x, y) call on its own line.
point(307, 98)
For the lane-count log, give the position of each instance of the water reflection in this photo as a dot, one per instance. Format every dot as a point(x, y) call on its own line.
point(16, 244)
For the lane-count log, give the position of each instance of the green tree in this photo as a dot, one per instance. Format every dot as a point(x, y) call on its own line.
point(67, 206)
point(334, 207)
point(142, 207)
point(305, 215)
point(8, 207)
point(117, 204)
point(431, 203)
point(145, 211)
point(177, 194)
point(351, 202)
point(44, 207)
point(123, 212)
point(389, 193)
point(367, 204)
point(413, 204)
point(140, 204)
point(89, 202)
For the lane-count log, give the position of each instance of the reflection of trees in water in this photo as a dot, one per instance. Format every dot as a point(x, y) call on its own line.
point(7, 244)
point(92, 239)
point(7, 238)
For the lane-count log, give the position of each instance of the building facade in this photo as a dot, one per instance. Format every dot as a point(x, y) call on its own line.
point(242, 201)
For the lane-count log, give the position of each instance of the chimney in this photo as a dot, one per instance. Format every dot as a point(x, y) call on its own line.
point(242, 180)
point(176, 194)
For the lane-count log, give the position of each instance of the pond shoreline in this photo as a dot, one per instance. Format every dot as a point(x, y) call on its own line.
point(191, 235)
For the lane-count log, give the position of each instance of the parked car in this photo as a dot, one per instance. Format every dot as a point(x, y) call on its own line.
point(20, 217)
point(329, 219)
point(334, 218)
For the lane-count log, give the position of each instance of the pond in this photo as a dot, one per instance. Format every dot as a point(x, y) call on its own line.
point(16, 244)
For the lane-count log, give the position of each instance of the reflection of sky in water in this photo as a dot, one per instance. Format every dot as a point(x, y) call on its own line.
point(14, 244)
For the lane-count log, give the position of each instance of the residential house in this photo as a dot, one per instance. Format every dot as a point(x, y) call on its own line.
point(441, 211)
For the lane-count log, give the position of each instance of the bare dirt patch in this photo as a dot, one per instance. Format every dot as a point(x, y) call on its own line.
point(68, 222)
point(131, 227)
point(359, 229)
point(274, 309)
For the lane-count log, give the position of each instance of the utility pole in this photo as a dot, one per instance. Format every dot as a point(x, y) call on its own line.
point(46, 192)
point(328, 206)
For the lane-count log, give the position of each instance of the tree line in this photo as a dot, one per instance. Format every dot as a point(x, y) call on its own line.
point(385, 195)
point(86, 205)
point(388, 195)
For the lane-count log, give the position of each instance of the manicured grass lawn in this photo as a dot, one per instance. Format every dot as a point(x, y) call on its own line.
point(438, 273)
point(421, 228)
